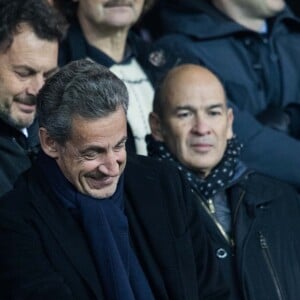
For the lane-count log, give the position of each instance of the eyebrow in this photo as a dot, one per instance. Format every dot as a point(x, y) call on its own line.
point(189, 107)
point(98, 148)
point(218, 105)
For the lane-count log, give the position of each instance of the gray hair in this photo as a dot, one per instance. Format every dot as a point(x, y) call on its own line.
point(81, 88)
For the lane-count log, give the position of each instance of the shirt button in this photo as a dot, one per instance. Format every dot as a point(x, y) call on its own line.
point(221, 253)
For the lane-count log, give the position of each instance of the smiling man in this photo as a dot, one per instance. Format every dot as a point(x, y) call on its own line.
point(247, 215)
point(29, 35)
point(85, 223)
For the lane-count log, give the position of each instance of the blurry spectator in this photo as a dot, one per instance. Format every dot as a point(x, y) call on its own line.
point(100, 30)
point(252, 219)
point(254, 57)
point(29, 34)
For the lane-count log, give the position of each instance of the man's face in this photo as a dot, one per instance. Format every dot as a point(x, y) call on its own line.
point(95, 156)
point(110, 13)
point(196, 123)
point(260, 8)
point(24, 67)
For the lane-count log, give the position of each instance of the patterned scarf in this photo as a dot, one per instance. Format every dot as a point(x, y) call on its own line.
point(218, 178)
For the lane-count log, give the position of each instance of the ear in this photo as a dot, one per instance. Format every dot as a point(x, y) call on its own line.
point(230, 118)
point(48, 144)
point(156, 127)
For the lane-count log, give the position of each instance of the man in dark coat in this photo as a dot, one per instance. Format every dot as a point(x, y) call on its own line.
point(251, 46)
point(29, 35)
point(81, 225)
point(252, 219)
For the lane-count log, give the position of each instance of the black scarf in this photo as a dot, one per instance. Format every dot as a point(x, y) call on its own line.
point(218, 178)
point(106, 227)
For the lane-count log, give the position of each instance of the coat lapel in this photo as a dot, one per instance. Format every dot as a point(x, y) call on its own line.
point(67, 233)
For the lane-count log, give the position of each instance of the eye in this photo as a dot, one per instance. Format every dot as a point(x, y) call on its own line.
point(23, 74)
point(183, 114)
point(90, 155)
point(215, 113)
point(120, 146)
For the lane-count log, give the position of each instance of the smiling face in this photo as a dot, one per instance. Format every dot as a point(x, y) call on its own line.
point(110, 13)
point(195, 124)
point(94, 158)
point(24, 67)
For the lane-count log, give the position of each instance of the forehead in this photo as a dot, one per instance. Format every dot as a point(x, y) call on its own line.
point(108, 129)
point(194, 91)
point(28, 49)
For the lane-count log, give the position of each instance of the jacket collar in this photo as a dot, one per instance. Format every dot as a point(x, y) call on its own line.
point(65, 229)
point(32, 141)
point(255, 191)
point(78, 48)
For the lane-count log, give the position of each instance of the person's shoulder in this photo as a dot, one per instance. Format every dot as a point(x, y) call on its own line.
point(140, 163)
point(24, 190)
point(256, 182)
point(146, 169)
point(16, 199)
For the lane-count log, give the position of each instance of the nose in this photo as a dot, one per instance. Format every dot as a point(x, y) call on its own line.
point(35, 85)
point(201, 126)
point(110, 166)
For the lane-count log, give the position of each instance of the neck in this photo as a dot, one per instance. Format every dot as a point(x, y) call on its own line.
point(239, 15)
point(111, 41)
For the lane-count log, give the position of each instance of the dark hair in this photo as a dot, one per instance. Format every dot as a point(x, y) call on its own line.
point(45, 21)
point(81, 88)
point(69, 8)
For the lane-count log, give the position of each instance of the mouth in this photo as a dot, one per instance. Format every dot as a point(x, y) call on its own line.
point(112, 4)
point(202, 147)
point(26, 104)
point(26, 108)
point(99, 183)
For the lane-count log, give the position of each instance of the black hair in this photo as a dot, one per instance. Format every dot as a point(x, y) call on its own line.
point(46, 22)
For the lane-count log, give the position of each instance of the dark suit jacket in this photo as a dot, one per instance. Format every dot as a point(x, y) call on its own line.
point(44, 253)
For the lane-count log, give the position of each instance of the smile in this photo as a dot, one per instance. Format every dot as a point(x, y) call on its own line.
point(99, 183)
point(27, 108)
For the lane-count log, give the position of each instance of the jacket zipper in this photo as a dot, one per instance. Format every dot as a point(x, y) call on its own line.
point(210, 209)
point(242, 195)
point(266, 253)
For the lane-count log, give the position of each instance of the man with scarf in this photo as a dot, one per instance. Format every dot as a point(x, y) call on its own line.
point(251, 46)
point(253, 220)
point(81, 225)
